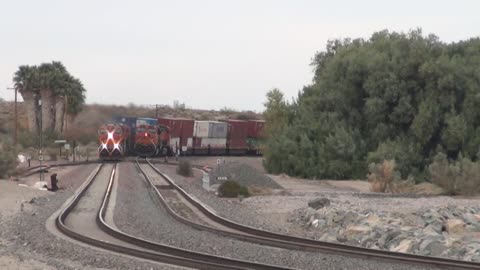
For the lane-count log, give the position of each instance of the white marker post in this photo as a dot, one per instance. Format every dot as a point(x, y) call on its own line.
point(206, 181)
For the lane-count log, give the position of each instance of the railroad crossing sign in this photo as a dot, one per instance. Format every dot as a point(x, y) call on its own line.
point(40, 157)
point(67, 146)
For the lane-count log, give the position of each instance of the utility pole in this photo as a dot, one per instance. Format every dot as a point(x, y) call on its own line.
point(65, 118)
point(156, 110)
point(41, 140)
point(15, 139)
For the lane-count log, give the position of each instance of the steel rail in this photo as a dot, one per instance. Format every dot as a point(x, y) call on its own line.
point(147, 250)
point(292, 242)
point(36, 169)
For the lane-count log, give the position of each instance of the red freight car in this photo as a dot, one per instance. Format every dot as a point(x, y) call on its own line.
point(237, 136)
point(256, 129)
point(256, 136)
point(180, 129)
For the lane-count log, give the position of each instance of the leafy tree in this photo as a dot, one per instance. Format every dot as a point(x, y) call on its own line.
point(276, 113)
point(395, 96)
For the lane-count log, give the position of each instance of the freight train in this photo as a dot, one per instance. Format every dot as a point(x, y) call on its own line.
point(225, 137)
point(170, 136)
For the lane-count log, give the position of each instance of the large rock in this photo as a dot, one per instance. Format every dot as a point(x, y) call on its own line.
point(350, 217)
point(353, 231)
point(414, 220)
point(404, 246)
point(432, 230)
point(446, 213)
point(369, 240)
point(455, 226)
point(319, 203)
point(339, 216)
point(436, 248)
point(309, 214)
point(471, 219)
point(388, 236)
point(329, 236)
point(373, 220)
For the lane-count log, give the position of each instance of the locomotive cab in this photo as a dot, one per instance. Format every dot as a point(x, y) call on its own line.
point(146, 140)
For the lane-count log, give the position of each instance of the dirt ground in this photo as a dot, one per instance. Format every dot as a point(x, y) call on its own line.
point(299, 185)
point(15, 198)
point(255, 162)
point(10, 262)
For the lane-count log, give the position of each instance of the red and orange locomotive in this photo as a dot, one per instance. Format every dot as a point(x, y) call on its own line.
point(113, 139)
point(146, 140)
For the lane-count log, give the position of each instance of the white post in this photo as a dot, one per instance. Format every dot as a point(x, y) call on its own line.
point(206, 181)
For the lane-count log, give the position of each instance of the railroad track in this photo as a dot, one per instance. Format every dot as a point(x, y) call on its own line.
point(222, 226)
point(84, 219)
point(36, 169)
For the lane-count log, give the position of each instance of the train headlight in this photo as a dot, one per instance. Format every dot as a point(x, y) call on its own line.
point(110, 136)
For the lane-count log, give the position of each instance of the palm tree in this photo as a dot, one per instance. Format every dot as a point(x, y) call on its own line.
point(52, 77)
point(26, 83)
point(53, 84)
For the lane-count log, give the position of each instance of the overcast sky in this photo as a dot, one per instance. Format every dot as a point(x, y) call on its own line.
point(208, 54)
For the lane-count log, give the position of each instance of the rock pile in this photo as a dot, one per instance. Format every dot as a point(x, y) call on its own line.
point(451, 231)
point(241, 173)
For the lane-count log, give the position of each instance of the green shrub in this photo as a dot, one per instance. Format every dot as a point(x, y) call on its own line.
point(184, 168)
point(461, 177)
point(8, 160)
point(28, 139)
point(232, 189)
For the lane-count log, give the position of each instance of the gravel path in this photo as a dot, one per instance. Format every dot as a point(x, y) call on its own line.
point(141, 215)
point(24, 237)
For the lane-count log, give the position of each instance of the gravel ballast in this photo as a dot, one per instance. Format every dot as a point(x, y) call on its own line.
point(140, 214)
point(281, 214)
point(25, 237)
point(243, 174)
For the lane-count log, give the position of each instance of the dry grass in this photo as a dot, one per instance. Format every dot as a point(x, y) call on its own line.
point(428, 189)
point(259, 191)
point(383, 178)
point(460, 177)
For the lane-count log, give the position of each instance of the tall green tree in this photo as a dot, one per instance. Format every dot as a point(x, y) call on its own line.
point(276, 113)
point(401, 96)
